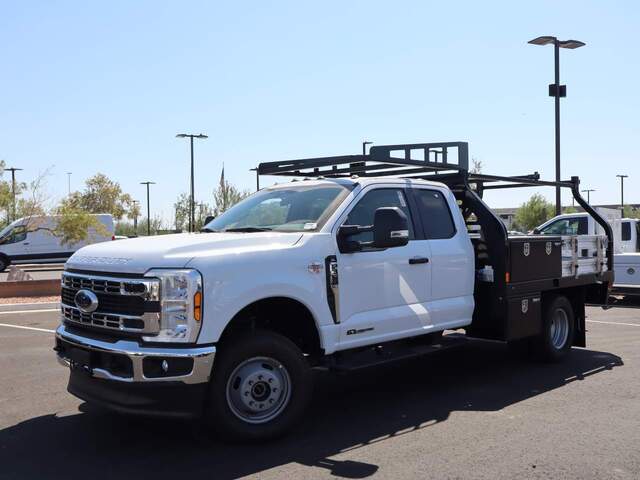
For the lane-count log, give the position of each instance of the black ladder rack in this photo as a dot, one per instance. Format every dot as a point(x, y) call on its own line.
point(382, 160)
point(446, 162)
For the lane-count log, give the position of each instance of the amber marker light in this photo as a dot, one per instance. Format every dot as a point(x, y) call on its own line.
point(197, 306)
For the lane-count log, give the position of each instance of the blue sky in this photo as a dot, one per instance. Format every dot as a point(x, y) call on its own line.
point(104, 87)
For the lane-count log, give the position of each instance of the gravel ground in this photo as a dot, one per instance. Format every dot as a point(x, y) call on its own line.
point(21, 300)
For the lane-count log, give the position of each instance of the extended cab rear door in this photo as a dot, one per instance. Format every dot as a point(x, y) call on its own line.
point(452, 258)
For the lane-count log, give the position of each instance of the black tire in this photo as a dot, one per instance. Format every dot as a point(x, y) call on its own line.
point(4, 263)
point(234, 353)
point(551, 345)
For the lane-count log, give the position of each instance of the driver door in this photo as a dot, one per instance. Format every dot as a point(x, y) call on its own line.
point(383, 293)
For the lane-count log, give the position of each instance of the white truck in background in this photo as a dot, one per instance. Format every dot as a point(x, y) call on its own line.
point(626, 244)
point(30, 240)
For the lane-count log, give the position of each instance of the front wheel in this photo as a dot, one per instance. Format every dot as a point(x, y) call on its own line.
point(558, 327)
point(261, 385)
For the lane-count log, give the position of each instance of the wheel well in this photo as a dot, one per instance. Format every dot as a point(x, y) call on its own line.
point(5, 259)
point(282, 315)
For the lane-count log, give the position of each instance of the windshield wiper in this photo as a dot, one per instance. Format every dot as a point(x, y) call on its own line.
point(209, 230)
point(248, 229)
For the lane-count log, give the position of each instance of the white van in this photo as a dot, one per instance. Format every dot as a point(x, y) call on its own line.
point(29, 240)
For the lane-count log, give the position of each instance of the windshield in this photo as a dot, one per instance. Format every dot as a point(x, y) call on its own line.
point(292, 209)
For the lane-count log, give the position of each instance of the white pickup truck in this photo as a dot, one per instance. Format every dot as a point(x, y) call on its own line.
point(626, 246)
point(366, 262)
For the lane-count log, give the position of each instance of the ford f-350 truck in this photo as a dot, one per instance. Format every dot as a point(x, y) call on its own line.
point(362, 259)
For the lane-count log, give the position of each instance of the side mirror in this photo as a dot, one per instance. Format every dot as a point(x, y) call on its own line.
point(536, 231)
point(208, 219)
point(390, 228)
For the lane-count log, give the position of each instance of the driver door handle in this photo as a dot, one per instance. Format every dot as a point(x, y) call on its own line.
point(417, 260)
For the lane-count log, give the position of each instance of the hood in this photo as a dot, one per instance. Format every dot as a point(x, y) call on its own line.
point(137, 255)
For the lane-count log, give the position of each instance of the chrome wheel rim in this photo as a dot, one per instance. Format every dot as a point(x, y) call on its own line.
point(559, 328)
point(258, 390)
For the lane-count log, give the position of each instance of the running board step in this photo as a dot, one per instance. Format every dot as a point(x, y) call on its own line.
point(349, 361)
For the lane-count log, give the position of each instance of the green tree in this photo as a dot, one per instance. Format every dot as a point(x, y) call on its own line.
point(630, 212)
point(226, 196)
point(127, 228)
point(476, 165)
point(182, 208)
point(101, 195)
point(532, 213)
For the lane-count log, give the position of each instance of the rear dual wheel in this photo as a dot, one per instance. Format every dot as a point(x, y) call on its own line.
point(558, 327)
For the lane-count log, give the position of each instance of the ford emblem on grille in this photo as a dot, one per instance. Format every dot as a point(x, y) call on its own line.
point(86, 301)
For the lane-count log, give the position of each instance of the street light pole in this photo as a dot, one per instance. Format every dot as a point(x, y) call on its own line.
point(69, 183)
point(557, 91)
point(192, 199)
point(13, 171)
point(622, 177)
point(588, 192)
point(148, 207)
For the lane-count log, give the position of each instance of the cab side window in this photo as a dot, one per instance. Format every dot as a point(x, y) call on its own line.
point(626, 231)
point(435, 214)
point(364, 212)
point(567, 226)
point(17, 234)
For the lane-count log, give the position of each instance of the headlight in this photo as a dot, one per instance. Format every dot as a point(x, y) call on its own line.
point(180, 305)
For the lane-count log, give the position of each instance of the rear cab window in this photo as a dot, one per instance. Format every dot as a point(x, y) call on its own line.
point(437, 221)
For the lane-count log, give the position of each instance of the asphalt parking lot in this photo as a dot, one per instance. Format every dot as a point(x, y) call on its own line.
point(472, 413)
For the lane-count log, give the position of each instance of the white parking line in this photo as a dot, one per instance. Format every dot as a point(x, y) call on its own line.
point(29, 311)
point(615, 323)
point(27, 328)
point(27, 304)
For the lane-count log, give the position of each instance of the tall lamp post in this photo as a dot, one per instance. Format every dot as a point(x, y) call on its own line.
point(13, 171)
point(192, 217)
point(557, 91)
point(148, 207)
point(622, 177)
point(69, 183)
point(588, 192)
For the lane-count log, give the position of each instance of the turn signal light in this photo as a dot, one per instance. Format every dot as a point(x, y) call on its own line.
point(197, 306)
point(507, 277)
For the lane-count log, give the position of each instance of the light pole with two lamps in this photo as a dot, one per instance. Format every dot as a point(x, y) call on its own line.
point(557, 91)
point(192, 218)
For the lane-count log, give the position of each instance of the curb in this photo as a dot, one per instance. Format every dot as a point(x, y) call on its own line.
point(29, 288)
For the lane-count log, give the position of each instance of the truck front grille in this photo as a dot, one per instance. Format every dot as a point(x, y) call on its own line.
point(123, 304)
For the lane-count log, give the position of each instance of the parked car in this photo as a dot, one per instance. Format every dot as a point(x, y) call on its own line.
point(626, 234)
point(29, 240)
point(335, 273)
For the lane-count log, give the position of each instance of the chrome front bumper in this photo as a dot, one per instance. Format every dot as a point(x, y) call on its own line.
point(202, 358)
